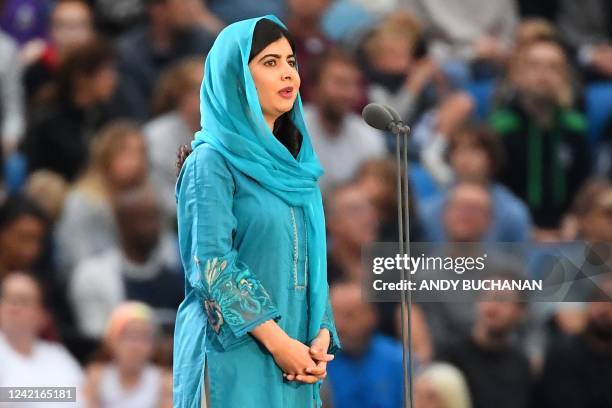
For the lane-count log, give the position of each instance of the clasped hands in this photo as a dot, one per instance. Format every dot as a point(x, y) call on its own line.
point(306, 364)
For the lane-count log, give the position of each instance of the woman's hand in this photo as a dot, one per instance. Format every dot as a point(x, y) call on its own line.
point(318, 352)
point(292, 356)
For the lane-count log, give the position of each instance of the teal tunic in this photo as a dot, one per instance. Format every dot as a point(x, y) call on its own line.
point(252, 242)
point(244, 252)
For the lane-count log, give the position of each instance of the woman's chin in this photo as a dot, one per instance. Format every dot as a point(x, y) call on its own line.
point(286, 105)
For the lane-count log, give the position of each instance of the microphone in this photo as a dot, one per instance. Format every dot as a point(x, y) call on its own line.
point(383, 117)
point(397, 118)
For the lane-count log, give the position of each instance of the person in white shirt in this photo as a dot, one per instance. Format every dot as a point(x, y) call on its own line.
point(25, 360)
point(123, 376)
point(144, 267)
point(340, 137)
point(176, 104)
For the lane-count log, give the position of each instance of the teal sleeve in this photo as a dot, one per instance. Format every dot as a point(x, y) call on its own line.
point(233, 298)
point(329, 324)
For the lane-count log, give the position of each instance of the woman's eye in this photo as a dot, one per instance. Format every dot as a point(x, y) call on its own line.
point(270, 63)
point(292, 63)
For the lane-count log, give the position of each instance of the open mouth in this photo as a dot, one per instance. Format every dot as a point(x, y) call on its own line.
point(286, 92)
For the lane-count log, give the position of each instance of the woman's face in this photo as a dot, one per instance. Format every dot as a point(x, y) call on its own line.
point(276, 78)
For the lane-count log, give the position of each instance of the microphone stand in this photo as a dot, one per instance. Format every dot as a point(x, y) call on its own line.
point(401, 132)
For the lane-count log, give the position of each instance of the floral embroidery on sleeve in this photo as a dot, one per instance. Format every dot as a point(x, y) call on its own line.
point(235, 297)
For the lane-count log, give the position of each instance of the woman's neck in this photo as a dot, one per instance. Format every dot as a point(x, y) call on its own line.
point(270, 120)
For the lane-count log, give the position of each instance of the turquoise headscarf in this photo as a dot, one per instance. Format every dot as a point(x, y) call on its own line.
point(233, 123)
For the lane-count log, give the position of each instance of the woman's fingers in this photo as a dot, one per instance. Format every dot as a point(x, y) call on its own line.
point(319, 370)
point(313, 374)
point(319, 355)
point(310, 379)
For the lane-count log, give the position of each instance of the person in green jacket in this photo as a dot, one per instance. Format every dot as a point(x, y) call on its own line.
point(256, 327)
point(543, 136)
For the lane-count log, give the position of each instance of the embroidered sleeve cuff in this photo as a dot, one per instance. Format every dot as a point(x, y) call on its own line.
point(235, 302)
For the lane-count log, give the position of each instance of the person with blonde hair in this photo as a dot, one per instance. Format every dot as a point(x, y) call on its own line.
point(441, 385)
point(87, 226)
point(397, 71)
point(176, 102)
point(123, 375)
point(48, 190)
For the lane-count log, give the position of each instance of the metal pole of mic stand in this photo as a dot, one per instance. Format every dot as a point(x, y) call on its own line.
point(406, 314)
point(402, 208)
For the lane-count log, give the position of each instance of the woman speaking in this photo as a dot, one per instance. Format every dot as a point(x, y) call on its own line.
point(256, 327)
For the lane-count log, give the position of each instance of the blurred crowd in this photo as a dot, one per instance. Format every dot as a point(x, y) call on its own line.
point(510, 104)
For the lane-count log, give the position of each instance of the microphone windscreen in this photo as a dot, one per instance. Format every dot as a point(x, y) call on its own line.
point(396, 117)
point(377, 116)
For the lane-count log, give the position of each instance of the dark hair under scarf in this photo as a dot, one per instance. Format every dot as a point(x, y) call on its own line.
point(265, 33)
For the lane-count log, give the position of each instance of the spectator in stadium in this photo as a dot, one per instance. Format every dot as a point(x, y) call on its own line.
point(466, 218)
point(440, 385)
point(173, 32)
point(577, 370)
point(367, 373)
point(28, 361)
point(87, 225)
point(474, 154)
point(472, 38)
point(398, 69)
point(592, 211)
point(468, 213)
point(48, 190)
point(351, 223)
point(145, 267)
point(497, 372)
point(60, 132)
point(543, 135)
point(23, 226)
point(340, 137)
point(123, 374)
point(176, 104)
point(70, 26)
point(430, 137)
point(12, 121)
point(378, 179)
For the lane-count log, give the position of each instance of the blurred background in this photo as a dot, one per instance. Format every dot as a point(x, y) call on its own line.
point(510, 104)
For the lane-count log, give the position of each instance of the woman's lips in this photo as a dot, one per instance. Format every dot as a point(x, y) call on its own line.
point(287, 92)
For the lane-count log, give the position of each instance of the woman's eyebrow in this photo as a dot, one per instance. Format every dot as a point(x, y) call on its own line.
point(277, 56)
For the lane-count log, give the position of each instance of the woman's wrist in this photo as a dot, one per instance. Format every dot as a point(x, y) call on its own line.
point(270, 335)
